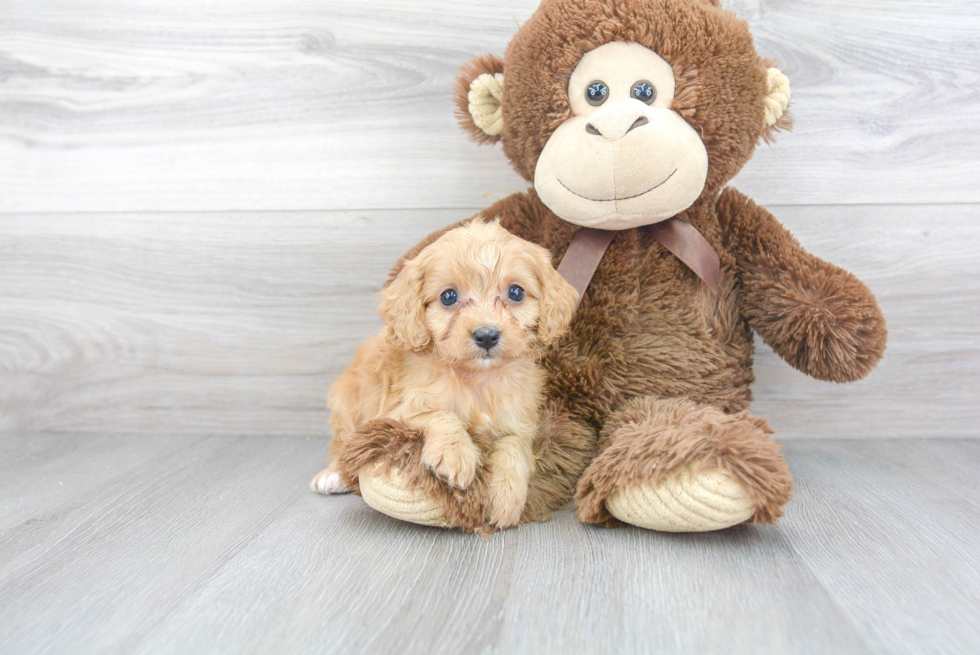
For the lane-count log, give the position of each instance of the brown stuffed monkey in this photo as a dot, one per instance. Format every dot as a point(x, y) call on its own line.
point(629, 117)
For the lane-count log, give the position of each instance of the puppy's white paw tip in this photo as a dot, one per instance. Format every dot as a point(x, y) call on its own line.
point(329, 484)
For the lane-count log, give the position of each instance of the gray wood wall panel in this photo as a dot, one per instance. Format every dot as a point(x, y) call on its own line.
point(236, 323)
point(111, 105)
point(199, 200)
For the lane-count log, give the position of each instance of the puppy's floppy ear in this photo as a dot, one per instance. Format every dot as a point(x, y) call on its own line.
point(557, 301)
point(402, 307)
point(478, 95)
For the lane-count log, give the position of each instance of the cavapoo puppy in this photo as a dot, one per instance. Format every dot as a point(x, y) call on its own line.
point(465, 321)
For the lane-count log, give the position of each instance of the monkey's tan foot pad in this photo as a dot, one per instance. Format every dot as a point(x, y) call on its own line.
point(687, 501)
point(391, 494)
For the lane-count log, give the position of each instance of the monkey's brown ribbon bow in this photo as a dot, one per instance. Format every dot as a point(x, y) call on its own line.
point(679, 237)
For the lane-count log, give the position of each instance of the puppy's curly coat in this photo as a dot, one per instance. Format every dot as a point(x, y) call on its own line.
point(465, 322)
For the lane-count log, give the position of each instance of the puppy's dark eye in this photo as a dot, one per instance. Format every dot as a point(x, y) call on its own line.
point(643, 91)
point(596, 93)
point(448, 298)
point(515, 293)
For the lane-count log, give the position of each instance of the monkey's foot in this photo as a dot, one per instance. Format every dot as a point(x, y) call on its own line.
point(679, 466)
point(686, 501)
point(390, 493)
point(384, 458)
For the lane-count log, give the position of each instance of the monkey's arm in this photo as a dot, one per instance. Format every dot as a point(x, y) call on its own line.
point(818, 317)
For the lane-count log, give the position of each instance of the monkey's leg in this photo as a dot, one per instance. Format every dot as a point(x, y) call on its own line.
point(385, 459)
point(677, 466)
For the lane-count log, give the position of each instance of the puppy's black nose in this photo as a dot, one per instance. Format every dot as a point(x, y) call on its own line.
point(486, 337)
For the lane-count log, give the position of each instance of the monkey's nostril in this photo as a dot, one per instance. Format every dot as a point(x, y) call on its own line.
point(486, 337)
point(639, 122)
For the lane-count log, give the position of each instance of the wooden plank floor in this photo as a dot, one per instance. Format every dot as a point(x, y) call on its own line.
point(142, 544)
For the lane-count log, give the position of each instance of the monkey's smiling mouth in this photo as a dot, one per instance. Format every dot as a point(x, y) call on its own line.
point(653, 188)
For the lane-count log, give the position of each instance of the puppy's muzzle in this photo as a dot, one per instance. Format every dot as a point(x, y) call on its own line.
point(486, 337)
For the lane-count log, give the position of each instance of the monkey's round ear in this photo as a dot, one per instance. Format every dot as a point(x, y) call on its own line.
point(777, 99)
point(478, 94)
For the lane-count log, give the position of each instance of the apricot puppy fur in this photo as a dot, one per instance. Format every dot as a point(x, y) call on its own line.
point(465, 322)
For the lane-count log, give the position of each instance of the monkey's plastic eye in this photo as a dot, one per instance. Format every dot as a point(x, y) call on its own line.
point(515, 293)
point(448, 298)
point(596, 93)
point(643, 91)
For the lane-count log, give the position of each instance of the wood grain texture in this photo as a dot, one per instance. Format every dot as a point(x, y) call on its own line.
point(198, 203)
point(100, 559)
point(890, 518)
point(214, 545)
point(52, 470)
point(237, 323)
point(111, 105)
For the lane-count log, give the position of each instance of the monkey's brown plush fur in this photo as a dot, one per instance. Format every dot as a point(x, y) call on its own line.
point(657, 369)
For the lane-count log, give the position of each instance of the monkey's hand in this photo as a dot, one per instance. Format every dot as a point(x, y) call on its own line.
point(818, 317)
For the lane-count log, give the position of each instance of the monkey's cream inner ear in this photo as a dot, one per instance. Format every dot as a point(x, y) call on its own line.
point(779, 96)
point(484, 98)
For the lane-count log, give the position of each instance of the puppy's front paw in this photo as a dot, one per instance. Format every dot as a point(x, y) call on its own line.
point(507, 498)
point(454, 462)
point(328, 482)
